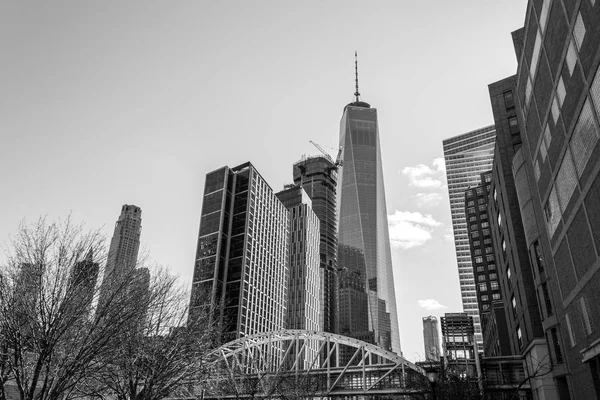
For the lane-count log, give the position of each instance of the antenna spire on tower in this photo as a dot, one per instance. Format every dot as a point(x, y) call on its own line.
point(357, 93)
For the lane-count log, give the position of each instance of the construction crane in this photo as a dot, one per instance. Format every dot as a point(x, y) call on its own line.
point(338, 161)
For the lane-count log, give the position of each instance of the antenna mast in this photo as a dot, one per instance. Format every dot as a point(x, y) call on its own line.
point(357, 93)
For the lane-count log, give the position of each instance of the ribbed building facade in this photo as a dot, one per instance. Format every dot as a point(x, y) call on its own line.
point(363, 221)
point(304, 300)
point(467, 156)
point(242, 260)
point(318, 177)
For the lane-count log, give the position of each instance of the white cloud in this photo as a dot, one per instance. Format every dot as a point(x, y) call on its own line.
point(410, 229)
point(424, 176)
point(431, 304)
point(428, 199)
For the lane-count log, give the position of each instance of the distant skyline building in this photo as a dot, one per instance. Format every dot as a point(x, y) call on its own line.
point(431, 338)
point(467, 156)
point(318, 177)
point(241, 270)
point(124, 247)
point(82, 280)
point(363, 222)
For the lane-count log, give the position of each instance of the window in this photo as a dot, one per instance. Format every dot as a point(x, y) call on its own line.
point(587, 326)
point(571, 57)
point(495, 195)
point(485, 224)
point(493, 276)
point(479, 190)
point(487, 241)
point(509, 102)
point(570, 330)
point(492, 267)
point(561, 92)
point(483, 287)
point(495, 296)
point(503, 245)
point(481, 278)
point(499, 220)
point(489, 257)
point(478, 260)
point(482, 208)
point(480, 268)
point(472, 219)
point(555, 110)
point(537, 256)
point(476, 243)
point(547, 301)
point(489, 250)
point(556, 345)
point(566, 180)
point(485, 297)
point(551, 212)
point(485, 307)
point(520, 337)
point(513, 302)
point(585, 136)
point(473, 227)
point(494, 285)
point(508, 274)
point(471, 203)
point(477, 252)
point(513, 125)
point(471, 210)
point(579, 31)
point(475, 234)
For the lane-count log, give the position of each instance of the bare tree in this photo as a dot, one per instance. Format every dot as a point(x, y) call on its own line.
point(52, 330)
point(158, 355)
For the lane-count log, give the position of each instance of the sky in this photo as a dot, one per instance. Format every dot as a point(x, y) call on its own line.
point(134, 102)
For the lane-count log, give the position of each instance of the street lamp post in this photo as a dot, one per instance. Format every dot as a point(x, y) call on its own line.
point(431, 370)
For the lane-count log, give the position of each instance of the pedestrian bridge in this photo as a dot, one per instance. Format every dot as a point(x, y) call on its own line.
point(302, 364)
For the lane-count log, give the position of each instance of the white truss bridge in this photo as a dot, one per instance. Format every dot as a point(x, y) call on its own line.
point(310, 364)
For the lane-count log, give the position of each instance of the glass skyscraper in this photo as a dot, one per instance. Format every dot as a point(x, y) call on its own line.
point(363, 223)
point(241, 267)
point(467, 156)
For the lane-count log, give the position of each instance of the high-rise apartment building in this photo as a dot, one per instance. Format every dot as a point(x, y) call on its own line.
point(124, 248)
point(557, 178)
point(318, 177)
point(484, 259)
point(431, 338)
point(241, 268)
point(303, 285)
point(467, 156)
point(304, 300)
point(363, 221)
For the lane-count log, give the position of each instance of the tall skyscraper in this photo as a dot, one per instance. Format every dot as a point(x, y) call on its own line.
point(318, 176)
point(241, 267)
point(124, 248)
point(303, 286)
point(304, 300)
point(363, 222)
point(431, 338)
point(467, 156)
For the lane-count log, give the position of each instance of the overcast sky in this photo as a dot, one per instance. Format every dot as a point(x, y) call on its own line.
point(104, 103)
